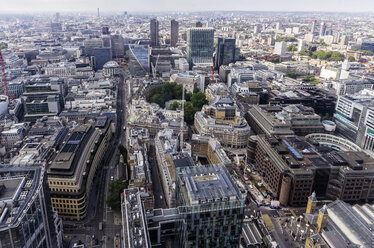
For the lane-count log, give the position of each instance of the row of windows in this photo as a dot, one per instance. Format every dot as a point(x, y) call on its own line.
point(65, 190)
point(63, 201)
point(61, 183)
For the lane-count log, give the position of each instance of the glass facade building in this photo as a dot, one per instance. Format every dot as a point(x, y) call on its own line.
point(26, 221)
point(210, 207)
point(200, 45)
point(225, 52)
point(139, 60)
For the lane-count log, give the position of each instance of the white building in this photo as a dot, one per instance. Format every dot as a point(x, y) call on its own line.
point(280, 48)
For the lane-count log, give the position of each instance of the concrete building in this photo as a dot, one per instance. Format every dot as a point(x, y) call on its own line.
point(223, 120)
point(70, 174)
point(134, 223)
point(102, 56)
point(154, 26)
point(174, 32)
point(280, 48)
point(284, 120)
point(294, 167)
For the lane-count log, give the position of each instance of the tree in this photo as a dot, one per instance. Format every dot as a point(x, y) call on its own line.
point(3, 45)
point(174, 106)
point(291, 49)
point(189, 112)
point(291, 75)
point(351, 59)
point(198, 100)
point(123, 151)
point(305, 52)
point(114, 198)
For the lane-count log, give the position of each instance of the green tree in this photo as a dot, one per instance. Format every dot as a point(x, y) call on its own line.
point(351, 59)
point(115, 189)
point(189, 112)
point(123, 151)
point(305, 52)
point(3, 45)
point(198, 100)
point(291, 49)
point(291, 75)
point(174, 105)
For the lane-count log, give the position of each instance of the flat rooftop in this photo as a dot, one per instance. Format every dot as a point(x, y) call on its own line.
point(9, 188)
point(208, 184)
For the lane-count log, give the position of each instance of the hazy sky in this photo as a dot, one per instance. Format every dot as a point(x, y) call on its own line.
point(186, 5)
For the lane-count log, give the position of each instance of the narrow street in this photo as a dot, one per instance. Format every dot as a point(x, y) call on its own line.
point(87, 230)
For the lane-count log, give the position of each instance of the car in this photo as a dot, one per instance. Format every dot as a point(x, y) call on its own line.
point(111, 178)
point(161, 197)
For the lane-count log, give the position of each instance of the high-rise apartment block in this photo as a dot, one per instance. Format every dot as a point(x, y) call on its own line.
point(155, 33)
point(174, 32)
point(280, 48)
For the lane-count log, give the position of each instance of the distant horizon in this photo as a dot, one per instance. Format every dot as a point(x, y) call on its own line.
point(151, 6)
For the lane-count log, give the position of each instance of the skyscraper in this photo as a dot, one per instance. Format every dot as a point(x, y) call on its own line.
point(154, 33)
point(200, 45)
point(118, 47)
point(322, 31)
point(225, 52)
point(301, 45)
point(313, 29)
point(98, 12)
point(174, 32)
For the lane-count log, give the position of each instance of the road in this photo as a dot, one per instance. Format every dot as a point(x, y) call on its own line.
point(87, 230)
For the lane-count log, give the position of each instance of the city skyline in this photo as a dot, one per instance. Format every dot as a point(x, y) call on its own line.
point(193, 5)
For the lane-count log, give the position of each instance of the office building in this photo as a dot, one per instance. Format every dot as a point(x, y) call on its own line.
point(367, 45)
point(280, 48)
point(102, 56)
point(139, 60)
point(70, 175)
point(340, 224)
point(354, 117)
point(313, 29)
point(284, 120)
point(155, 40)
point(211, 205)
point(322, 30)
point(174, 32)
point(118, 47)
point(294, 167)
point(90, 45)
point(200, 45)
point(322, 101)
point(134, 223)
point(105, 30)
point(223, 120)
point(26, 217)
point(225, 52)
point(301, 45)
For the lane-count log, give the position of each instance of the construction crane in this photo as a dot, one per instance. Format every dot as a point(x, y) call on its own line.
point(213, 68)
point(4, 76)
point(154, 67)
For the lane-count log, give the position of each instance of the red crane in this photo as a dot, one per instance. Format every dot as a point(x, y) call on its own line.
point(4, 76)
point(213, 69)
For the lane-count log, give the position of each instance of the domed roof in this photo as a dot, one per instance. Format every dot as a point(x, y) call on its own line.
point(110, 64)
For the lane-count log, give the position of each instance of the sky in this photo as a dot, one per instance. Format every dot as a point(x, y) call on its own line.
point(22, 6)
